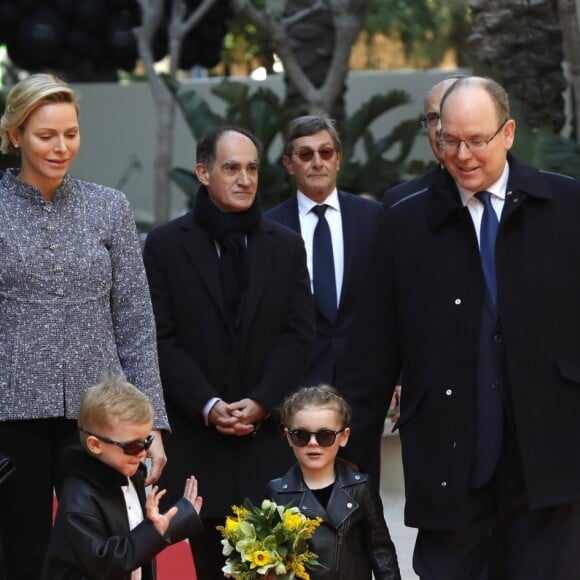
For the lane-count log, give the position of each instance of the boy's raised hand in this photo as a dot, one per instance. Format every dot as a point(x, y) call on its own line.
point(190, 493)
point(159, 520)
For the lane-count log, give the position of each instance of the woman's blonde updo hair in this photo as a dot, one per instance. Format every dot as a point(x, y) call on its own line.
point(26, 96)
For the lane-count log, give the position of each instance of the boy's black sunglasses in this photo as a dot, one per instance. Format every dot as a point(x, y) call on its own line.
point(129, 447)
point(324, 437)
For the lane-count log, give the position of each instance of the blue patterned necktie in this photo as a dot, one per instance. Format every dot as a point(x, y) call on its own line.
point(324, 281)
point(487, 236)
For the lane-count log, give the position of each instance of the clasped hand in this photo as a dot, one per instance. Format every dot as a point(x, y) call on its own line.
point(237, 418)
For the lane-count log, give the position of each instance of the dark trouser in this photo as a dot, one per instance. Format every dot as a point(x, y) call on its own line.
point(26, 497)
point(503, 539)
point(207, 551)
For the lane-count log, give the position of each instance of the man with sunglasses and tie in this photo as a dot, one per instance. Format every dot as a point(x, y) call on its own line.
point(338, 229)
point(106, 526)
point(473, 291)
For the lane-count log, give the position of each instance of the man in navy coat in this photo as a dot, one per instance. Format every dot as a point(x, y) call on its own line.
point(431, 122)
point(491, 399)
point(235, 325)
point(312, 155)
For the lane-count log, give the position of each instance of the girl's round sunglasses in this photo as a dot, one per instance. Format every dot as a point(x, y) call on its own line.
point(324, 437)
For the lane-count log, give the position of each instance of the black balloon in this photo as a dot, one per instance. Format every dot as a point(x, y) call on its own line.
point(40, 37)
point(121, 43)
point(76, 37)
point(9, 16)
point(83, 44)
point(90, 15)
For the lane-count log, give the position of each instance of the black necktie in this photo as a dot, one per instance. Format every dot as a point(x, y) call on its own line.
point(487, 235)
point(324, 281)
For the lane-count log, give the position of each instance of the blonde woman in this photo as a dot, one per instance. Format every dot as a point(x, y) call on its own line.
point(74, 308)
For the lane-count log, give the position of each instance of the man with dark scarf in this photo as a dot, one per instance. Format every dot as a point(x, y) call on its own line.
point(235, 326)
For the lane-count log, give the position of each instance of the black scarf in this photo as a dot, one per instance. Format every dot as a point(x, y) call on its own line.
point(229, 230)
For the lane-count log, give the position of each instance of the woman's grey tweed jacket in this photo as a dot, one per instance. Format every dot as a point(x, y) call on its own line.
point(74, 300)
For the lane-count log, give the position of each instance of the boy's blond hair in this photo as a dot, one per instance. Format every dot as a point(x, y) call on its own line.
point(113, 400)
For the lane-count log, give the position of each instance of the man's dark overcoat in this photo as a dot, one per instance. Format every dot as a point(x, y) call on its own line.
point(360, 222)
point(412, 187)
point(203, 354)
point(421, 311)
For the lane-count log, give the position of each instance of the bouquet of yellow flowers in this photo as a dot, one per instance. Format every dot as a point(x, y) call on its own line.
point(269, 540)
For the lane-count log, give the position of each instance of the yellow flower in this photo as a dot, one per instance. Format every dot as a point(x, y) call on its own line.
point(241, 512)
point(231, 525)
point(311, 525)
point(292, 520)
point(297, 566)
point(259, 558)
point(267, 540)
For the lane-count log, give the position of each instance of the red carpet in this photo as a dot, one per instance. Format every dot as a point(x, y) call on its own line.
point(174, 563)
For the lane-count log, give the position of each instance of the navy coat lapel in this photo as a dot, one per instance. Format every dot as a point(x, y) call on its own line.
point(350, 226)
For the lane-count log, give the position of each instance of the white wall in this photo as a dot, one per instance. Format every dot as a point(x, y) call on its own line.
point(119, 123)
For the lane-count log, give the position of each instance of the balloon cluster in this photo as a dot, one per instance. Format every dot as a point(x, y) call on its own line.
point(97, 35)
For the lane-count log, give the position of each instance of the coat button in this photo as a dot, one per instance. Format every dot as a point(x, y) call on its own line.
point(349, 505)
point(458, 301)
point(443, 484)
point(449, 392)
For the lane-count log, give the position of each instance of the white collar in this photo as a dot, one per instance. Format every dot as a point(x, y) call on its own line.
point(498, 188)
point(305, 204)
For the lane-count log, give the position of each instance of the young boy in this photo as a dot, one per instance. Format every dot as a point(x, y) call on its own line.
point(353, 541)
point(105, 529)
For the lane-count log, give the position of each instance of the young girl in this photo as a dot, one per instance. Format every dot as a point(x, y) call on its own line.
point(353, 541)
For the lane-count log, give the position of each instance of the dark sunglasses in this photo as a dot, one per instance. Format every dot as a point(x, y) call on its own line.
point(324, 437)
point(326, 153)
point(129, 447)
